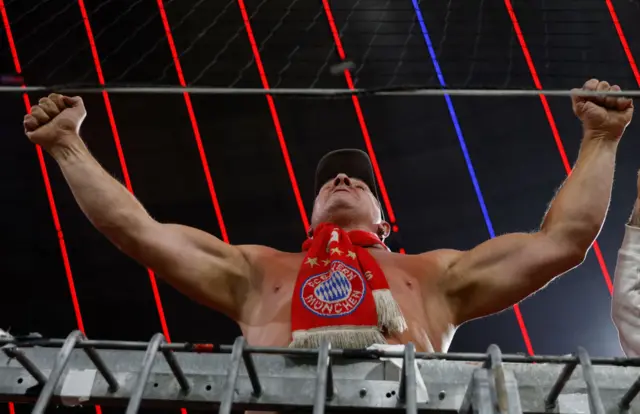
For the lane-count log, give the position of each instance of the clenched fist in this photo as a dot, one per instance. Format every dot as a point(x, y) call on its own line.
point(55, 119)
point(607, 116)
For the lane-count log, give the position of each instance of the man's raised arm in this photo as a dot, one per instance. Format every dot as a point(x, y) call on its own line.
point(506, 269)
point(625, 307)
point(198, 264)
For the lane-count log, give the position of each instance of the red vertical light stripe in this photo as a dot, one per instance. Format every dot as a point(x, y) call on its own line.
point(194, 127)
point(623, 41)
point(194, 122)
point(360, 115)
point(552, 124)
point(123, 164)
point(48, 190)
point(274, 115)
point(12, 45)
point(627, 51)
point(47, 183)
point(523, 329)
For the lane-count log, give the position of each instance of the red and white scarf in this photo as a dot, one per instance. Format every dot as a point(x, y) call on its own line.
point(341, 293)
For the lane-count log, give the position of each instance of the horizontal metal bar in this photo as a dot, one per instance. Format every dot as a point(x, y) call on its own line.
point(343, 353)
point(311, 92)
point(289, 383)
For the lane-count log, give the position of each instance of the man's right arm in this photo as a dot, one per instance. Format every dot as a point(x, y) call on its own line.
point(626, 294)
point(194, 262)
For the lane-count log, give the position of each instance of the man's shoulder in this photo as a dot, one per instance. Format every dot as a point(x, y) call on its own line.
point(438, 258)
point(433, 265)
point(261, 251)
point(442, 258)
point(266, 260)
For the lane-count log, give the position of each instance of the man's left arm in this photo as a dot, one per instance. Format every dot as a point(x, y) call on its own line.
point(507, 269)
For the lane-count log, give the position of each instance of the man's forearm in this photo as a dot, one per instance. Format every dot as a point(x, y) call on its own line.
point(580, 207)
point(107, 204)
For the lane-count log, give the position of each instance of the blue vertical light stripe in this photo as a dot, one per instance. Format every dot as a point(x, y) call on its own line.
point(454, 119)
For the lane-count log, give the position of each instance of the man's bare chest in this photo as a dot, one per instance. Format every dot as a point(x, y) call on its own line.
point(270, 308)
point(279, 277)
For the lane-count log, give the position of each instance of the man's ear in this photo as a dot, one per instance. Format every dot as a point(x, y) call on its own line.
point(384, 230)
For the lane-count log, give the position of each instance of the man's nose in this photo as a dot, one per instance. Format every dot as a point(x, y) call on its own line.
point(342, 179)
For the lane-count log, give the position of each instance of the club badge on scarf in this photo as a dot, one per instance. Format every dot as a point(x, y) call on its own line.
point(341, 293)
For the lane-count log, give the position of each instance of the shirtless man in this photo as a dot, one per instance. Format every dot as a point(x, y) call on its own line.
point(420, 298)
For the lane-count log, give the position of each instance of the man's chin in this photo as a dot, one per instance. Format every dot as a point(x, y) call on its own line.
point(344, 213)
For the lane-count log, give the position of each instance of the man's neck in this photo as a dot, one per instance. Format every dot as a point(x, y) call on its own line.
point(367, 229)
point(352, 227)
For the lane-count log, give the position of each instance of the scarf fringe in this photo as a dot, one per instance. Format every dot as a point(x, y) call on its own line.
point(390, 316)
point(339, 337)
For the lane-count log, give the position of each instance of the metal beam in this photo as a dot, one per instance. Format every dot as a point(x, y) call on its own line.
point(208, 377)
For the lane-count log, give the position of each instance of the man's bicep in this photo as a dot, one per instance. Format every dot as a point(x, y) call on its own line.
point(197, 264)
point(502, 271)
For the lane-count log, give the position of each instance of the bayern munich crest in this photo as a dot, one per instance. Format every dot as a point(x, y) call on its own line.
point(334, 293)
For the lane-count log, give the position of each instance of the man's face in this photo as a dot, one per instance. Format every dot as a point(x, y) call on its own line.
point(345, 200)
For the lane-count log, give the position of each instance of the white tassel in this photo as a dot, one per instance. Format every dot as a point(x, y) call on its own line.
point(390, 316)
point(349, 337)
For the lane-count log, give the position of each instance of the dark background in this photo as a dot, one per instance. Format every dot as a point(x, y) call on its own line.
point(509, 141)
